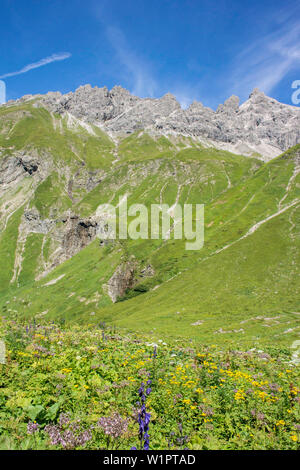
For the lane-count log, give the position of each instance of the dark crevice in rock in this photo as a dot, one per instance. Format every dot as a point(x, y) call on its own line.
point(29, 166)
point(79, 233)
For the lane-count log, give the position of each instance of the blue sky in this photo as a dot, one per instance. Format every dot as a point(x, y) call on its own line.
point(201, 50)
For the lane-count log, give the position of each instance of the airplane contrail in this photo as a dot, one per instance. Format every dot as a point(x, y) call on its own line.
point(40, 63)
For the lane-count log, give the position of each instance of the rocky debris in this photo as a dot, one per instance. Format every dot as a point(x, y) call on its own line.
point(32, 222)
point(13, 168)
point(197, 323)
point(78, 233)
point(10, 170)
point(40, 315)
point(260, 317)
point(122, 279)
point(84, 179)
point(147, 271)
point(261, 124)
point(2, 352)
point(54, 281)
point(241, 330)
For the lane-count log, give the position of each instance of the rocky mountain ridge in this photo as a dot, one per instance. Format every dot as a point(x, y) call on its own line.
point(260, 126)
point(63, 157)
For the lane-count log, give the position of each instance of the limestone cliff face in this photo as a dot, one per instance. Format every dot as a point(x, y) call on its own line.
point(261, 124)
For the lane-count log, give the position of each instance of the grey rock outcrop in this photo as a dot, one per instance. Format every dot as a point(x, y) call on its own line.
point(69, 233)
point(77, 234)
point(33, 223)
point(14, 168)
point(261, 124)
point(122, 279)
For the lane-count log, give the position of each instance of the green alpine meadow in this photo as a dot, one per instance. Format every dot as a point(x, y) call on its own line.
point(122, 343)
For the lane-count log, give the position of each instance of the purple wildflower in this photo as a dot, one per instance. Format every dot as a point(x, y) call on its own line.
point(32, 427)
point(114, 426)
point(67, 434)
point(274, 387)
point(144, 417)
point(64, 419)
point(177, 438)
point(260, 416)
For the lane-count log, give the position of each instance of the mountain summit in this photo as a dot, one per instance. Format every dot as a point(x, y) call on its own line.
point(260, 126)
point(62, 156)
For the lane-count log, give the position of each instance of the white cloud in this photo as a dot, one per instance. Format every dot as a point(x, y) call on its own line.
point(184, 95)
point(268, 60)
point(137, 72)
point(40, 63)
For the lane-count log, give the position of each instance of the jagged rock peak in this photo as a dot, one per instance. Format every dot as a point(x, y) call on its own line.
point(169, 96)
point(260, 125)
point(230, 105)
point(256, 92)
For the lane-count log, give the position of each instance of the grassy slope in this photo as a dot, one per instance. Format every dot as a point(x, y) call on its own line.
point(8, 242)
point(27, 127)
point(255, 276)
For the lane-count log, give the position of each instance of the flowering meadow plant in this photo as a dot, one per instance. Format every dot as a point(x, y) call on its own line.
point(74, 387)
point(144, 417)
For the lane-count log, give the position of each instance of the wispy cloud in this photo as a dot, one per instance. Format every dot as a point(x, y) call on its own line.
point(269, 59)
point(40, 63)
point(136, 71)
point(139, 74)
point(184, 94)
